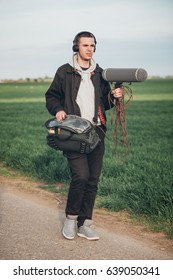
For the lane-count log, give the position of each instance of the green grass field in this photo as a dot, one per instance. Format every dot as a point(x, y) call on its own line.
point(142, 184)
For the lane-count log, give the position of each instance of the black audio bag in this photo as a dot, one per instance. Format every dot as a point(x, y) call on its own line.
point(73, 134)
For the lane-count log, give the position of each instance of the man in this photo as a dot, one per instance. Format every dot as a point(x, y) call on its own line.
point(79, 89)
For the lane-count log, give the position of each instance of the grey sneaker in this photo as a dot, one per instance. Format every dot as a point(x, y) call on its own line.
point(87, 232)
point(70, 227)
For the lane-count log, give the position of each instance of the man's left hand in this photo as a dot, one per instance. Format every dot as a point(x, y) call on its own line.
point(118, 92)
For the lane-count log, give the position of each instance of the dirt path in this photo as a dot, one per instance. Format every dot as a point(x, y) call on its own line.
point(31, 221)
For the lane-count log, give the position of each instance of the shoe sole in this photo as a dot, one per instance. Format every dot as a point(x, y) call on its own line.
point(88, 238)
point(68, 237)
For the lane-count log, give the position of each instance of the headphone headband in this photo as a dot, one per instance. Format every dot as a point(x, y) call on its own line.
point(75, 47)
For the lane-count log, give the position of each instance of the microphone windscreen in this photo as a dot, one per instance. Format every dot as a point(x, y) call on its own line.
point(121, 75)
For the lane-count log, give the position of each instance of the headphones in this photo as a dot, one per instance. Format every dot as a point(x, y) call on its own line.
point(75, 46)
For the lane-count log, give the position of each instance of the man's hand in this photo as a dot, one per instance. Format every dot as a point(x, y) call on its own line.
point(118, 92)
point(60, 116)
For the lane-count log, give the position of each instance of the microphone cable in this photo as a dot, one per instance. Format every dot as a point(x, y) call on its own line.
point(119, 105)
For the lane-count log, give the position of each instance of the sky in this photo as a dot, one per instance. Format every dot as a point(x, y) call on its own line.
point(37, 35)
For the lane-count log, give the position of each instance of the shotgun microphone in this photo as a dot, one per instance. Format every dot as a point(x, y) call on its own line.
point(120, 75)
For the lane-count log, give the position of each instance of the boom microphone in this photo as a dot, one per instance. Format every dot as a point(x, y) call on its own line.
point(120, 75)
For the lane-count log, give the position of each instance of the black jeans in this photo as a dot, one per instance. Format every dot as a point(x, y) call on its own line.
point(85, 171)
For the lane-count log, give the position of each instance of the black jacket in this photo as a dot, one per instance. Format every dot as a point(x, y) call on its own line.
point(63, 90)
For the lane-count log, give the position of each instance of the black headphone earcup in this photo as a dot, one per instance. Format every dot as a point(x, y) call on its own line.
point(75, 48)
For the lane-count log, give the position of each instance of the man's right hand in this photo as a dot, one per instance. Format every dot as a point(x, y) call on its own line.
point(60, 116)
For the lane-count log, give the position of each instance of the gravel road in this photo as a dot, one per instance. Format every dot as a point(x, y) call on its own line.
point(31, 229)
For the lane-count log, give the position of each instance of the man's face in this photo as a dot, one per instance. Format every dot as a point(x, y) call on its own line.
point(86, 48)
